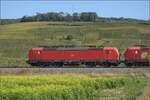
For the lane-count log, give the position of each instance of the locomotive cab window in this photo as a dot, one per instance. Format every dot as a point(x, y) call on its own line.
point(108, 52)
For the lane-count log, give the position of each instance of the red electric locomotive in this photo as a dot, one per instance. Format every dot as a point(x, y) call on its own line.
point(137, 56)
point(90, 57)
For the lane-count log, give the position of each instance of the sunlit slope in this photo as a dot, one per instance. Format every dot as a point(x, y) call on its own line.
point(17, 39)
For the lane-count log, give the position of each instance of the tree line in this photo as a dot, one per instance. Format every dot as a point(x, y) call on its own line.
point(9, 21)
point(61, 16)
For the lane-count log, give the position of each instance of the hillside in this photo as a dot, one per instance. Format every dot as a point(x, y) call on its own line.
point(17, 39)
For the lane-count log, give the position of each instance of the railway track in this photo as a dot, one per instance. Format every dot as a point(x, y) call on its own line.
point(75, 66)
point(18, 71)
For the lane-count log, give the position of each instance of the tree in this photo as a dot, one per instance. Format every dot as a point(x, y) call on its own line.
point(68, 17)
point(23, 19)
point(92, 16)
point(69, 37)
point(39, 17)
point(84, 16)
point(76, 17)
point(61, 16)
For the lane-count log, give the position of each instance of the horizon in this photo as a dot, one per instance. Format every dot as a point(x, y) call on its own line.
point(126, 9)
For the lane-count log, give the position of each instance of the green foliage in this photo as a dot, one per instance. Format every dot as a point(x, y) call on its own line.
point(65, 87)
point(69, 37)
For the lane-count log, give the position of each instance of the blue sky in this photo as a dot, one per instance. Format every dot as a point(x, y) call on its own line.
point(129, 9)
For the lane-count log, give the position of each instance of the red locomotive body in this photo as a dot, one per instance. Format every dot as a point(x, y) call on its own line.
point(98, 56)
point(137, 56)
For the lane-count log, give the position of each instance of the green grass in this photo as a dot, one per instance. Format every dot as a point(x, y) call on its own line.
point(69, 87)
point(17, 39)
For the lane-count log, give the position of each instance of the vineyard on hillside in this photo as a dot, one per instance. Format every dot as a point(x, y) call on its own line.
point(17, 39)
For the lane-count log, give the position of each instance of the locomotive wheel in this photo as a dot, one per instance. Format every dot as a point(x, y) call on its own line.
point(58, 64)
point(106, 64)
point(45, 64)
point(34, 64)
point(115, 64)
point(90, 64)
point(129, 64)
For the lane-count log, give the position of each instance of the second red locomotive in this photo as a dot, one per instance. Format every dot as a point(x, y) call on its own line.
point(137, 56)
point(90, 57)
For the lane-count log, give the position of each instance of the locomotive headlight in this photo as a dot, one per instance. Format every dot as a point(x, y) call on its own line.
point(136, 52)
point(38, 52)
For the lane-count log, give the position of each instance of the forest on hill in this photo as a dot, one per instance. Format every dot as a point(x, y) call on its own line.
point(62, 16)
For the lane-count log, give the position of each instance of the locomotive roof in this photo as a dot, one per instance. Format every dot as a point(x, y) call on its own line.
point(75, 48)
point(133, 48)
point(138, 48)
point(71, 47)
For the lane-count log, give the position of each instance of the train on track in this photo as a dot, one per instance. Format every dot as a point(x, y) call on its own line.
point(91, 57)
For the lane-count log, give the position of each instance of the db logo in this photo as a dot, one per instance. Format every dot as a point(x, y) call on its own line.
point(144, 55)
point(72, 55)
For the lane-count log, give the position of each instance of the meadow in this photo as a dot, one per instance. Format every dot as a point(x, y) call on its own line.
point(17, 39)
point(70, 87)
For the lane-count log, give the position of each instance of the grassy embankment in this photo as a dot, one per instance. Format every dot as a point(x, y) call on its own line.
point(70, 87)
point(17, 39)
